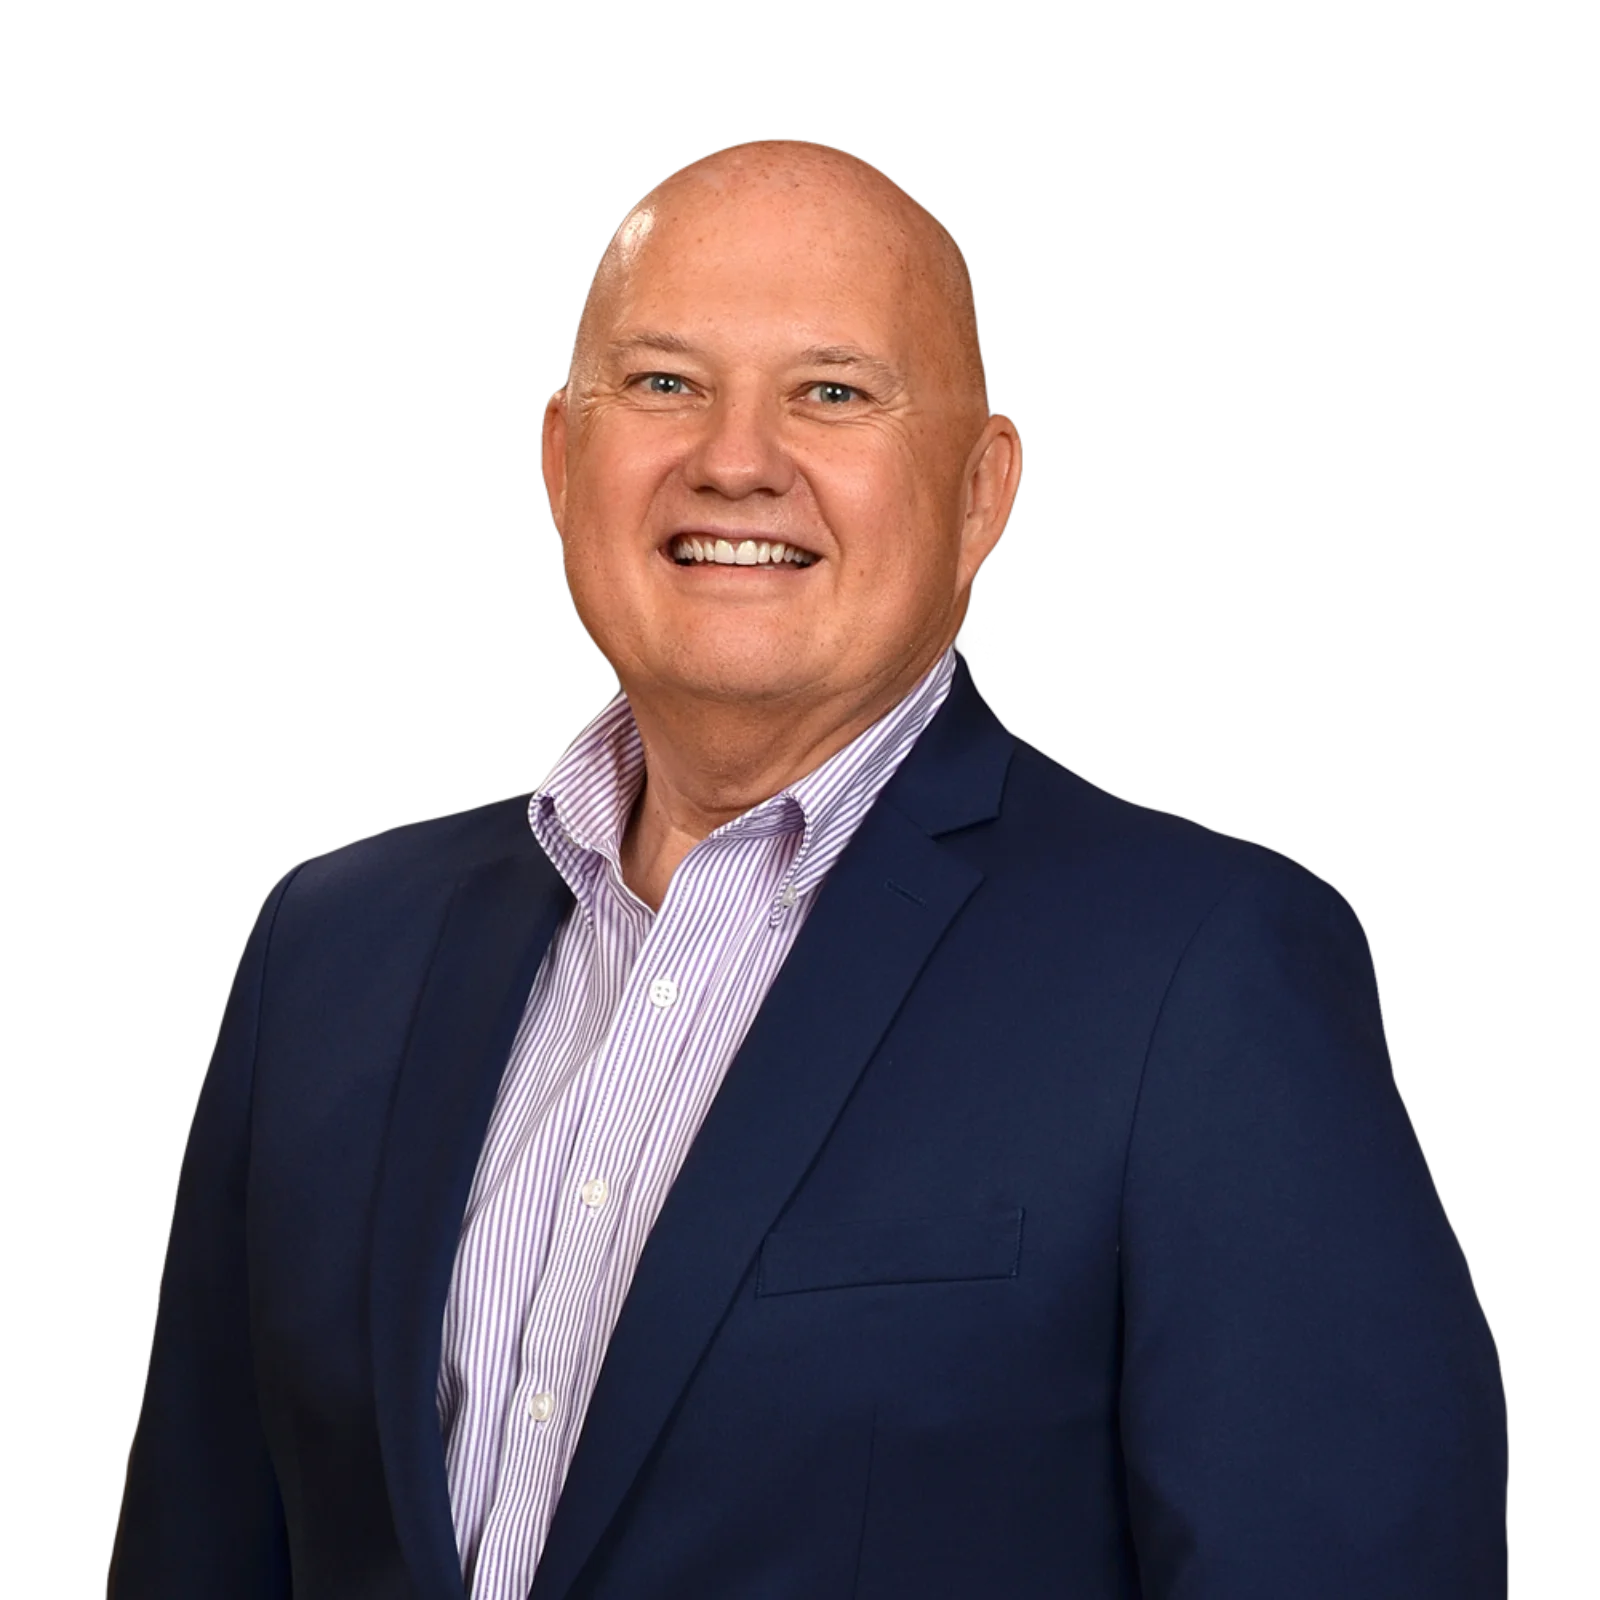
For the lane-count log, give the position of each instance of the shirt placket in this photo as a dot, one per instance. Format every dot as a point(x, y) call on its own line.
point(624, 1079)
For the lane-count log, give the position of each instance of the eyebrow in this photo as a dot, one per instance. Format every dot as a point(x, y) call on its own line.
point(847, 355)
point(650, 339)
point(850, 356)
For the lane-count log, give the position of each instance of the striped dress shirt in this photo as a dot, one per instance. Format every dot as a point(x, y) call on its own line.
point(629, 1029)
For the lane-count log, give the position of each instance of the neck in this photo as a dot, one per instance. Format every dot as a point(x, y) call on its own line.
point(709, 761)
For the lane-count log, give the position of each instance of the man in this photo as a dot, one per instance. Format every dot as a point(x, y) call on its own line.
point(815, 1145)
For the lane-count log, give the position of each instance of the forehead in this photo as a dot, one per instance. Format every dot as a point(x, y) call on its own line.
point(779, 265)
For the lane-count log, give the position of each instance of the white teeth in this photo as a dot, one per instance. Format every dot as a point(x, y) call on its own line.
point(688, 548)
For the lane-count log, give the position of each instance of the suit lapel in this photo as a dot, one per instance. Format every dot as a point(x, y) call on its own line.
point(499, 922)
point(884, 907)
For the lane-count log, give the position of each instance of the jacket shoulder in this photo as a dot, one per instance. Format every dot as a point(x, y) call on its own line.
point(418, 858)
point(1066, 825)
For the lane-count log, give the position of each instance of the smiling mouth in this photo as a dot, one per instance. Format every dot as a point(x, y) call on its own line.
point(691, 549)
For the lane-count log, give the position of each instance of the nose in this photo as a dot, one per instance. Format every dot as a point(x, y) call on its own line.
point(740, 450)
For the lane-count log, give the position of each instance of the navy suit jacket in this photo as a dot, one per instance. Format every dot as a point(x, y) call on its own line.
point(1057, 1231)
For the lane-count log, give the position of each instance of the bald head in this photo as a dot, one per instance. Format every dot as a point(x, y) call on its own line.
point(807, 198)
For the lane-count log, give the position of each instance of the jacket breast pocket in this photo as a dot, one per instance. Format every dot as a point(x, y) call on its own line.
point(849, 1255)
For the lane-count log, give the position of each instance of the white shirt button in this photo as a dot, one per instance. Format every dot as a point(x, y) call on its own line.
point(663, 992)
point(540, 1406)
point(788, 897)
point(593, 1193)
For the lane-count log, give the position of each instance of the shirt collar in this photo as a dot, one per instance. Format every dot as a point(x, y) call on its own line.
point(580, 811)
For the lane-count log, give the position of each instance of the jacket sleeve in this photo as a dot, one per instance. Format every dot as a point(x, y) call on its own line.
point(1311, 1401)
point(201, 1516)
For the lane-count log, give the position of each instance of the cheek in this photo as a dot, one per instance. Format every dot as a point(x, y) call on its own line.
point(896, 535)
point(861, 484)
point(615, 474)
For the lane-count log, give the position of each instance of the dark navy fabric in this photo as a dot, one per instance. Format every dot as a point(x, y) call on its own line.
point(1058, 1231)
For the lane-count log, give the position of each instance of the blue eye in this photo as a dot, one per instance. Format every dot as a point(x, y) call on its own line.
point(664, 383)
point(833, 394)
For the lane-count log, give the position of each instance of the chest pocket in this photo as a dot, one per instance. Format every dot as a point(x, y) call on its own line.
point(850, 1255)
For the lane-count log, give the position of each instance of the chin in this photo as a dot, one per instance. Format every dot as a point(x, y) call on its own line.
point(749, 673)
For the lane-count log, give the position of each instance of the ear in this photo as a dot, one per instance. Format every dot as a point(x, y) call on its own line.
point(994, 469)
point(555, 457)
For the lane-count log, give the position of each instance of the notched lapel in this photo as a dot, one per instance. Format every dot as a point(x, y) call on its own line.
point(499, 922)
point(884, 907)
